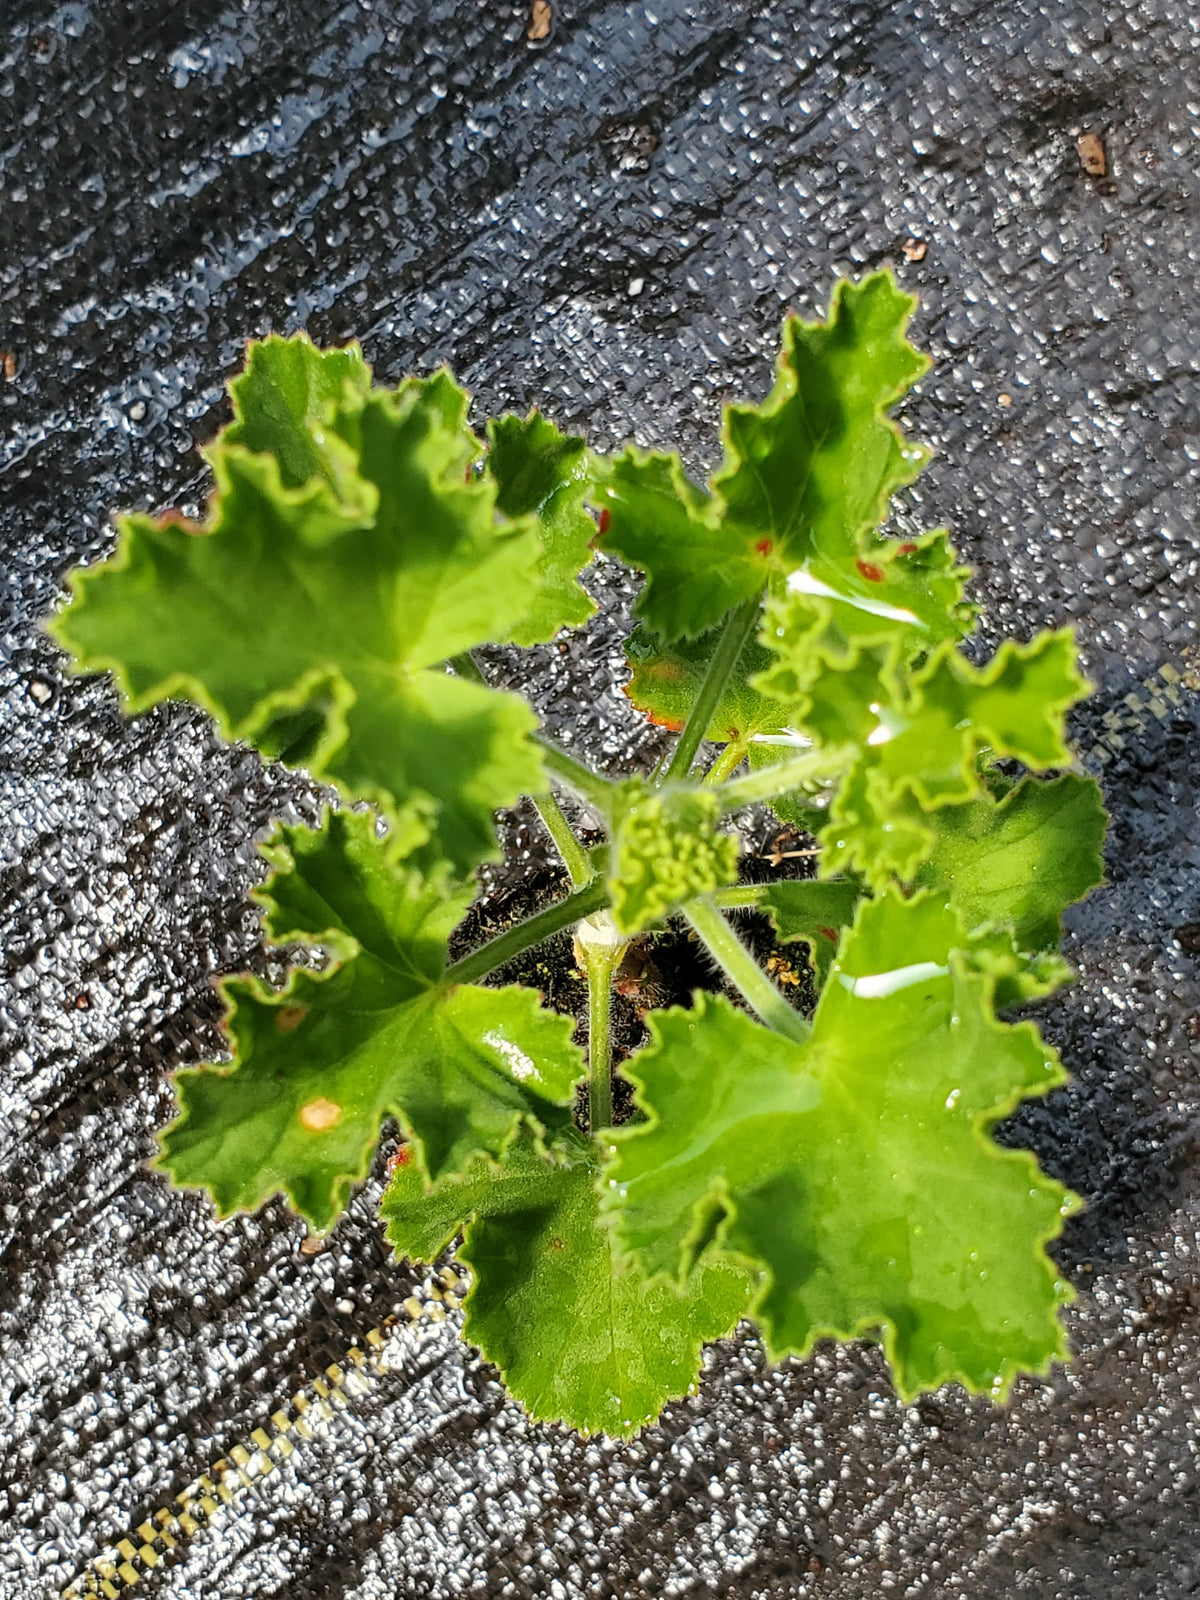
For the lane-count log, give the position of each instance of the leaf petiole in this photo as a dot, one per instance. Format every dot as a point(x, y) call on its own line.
point(515, 941)
point(736, 631)
point(575, 858)
point(740, 967)
point(727, 762)
point(740, 897)
point(769, 782)
point(588, 785)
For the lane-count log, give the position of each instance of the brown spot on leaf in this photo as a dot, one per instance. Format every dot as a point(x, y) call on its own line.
point(870, 571)
point(401, 1158)
point(319, 1115)
point(557, 1244)
point(908, 548)
point(764, 547)
point(830, 933)
point(289, 1018)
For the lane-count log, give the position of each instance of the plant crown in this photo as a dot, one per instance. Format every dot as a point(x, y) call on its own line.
point(830, 1175)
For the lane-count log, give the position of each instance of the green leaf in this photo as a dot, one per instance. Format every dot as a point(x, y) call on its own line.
point(543, 473)
point(1019, 863)
point(816, 463)
point(905, 597)
point(319, 1064)
point(922, 736)
point(806, 475)
point(666, 847)
point(667, 678)
point(280, 403)
point(697, 566)
point(855, 1170)
point(577, 1338)
point(310, 628)
point(1011, 867)
point(813, 911)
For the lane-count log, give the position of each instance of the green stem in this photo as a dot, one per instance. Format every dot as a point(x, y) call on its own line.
point(768, 782)
point(575, 858)
point(515, 941)
point(740, 897)
point(724, 658)
point(599, 1046)
point(601, 948)
point(727, 762)
point(587, 784)
point(740, 967)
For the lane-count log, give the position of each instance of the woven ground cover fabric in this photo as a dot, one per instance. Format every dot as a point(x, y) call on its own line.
point(609, 223)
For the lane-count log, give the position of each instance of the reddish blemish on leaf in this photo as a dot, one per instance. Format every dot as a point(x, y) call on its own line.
point(401, 1158)
point(870, 571)
point(658, 722)
point(288, 1018)
point(764, 547)
point(602, 522)
point(830, 933)
point(908, 548)
point(174, 518)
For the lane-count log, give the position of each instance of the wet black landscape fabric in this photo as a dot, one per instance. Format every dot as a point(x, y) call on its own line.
point(609, 223)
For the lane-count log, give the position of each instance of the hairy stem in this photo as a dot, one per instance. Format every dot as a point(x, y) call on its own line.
point(515, 941)
point(768, 782)
point(724, 658)
point(575, 858)
point(740, 897)
point(740, 967)
point(588, 785)
point(601, 948)
point(727, 762)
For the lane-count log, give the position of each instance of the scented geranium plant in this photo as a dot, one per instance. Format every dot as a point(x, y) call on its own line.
point(828, 1174)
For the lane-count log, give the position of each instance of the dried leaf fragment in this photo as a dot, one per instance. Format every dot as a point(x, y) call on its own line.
point(1090, 148)
point(541, 20)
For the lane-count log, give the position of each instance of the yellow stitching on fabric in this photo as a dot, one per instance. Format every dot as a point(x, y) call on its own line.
point(1153, 700)
point(114, 1572)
